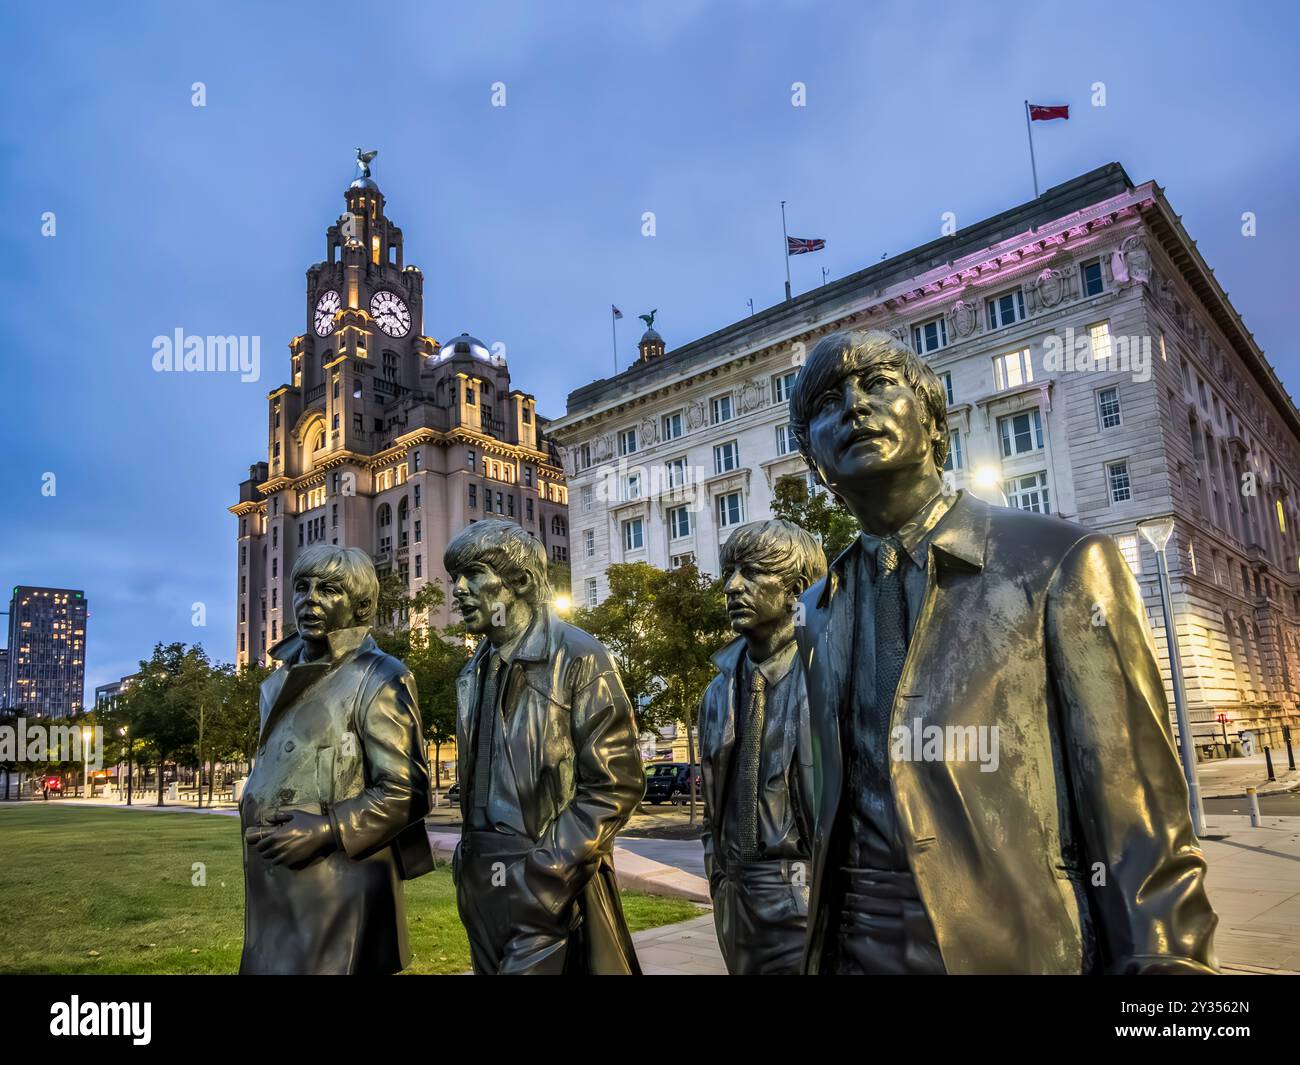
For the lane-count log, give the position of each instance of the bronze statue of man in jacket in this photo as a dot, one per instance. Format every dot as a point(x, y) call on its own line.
point(756, 754)
point(333, 811)
point(549, 768)
point(997, 786)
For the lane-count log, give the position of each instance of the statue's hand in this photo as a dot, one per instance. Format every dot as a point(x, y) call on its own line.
point(297, 839)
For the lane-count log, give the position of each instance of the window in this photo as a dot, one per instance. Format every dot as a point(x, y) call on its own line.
point(1021, 433)
point(559, 553)
point(946, 378)
point(783, 385)
point(731, 510)
point(1099, 338)
point(1028, 492)
point(1117, 479)
point(357, 423)
point(416, 531)
point(672, 425)
point(954, 460)
point(632, 486)
point(334, 515)
point(1128, 547)
point(1012, 370)
point(1091, 276)
point(589, 543)
point(527, 415)
point(687, 558)
point(930, 336)
point(469, 395)
point(633, 535)
point(501, 502)
point(584, 456)
point(726, 457)
point(510, 504)
point(721, 409)
point(1108, 407)
point(589, 586)
point(676, 469)
point(473, 497)
point(785, 441)
point(627, 442)
point(1006, 309)
point(679, 522)
point(528, 476)
point(417, 497)
point(415, 462)
point(586, 496)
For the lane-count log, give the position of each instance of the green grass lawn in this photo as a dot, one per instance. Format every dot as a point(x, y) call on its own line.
point(109, 891)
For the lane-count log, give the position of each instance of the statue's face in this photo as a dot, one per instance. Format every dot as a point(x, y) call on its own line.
point(867, 423)
point(756, 598)
point(321, 605)
point(482, 597)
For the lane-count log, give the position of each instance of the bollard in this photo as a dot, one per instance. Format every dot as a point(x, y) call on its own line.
point(1268, 762)
point(1290, 754)
point(1254, 808)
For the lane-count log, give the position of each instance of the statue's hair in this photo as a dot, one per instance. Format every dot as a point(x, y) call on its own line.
point(517, 557)
point(840, 354)
point(780, 547)
point(352, 564)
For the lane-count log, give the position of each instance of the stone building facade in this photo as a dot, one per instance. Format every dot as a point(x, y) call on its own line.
point(1095, 370)
point(383, 438)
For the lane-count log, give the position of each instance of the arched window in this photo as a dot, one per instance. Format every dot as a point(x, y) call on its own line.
point(385, 516)
point(320, 441)
point(402, 511)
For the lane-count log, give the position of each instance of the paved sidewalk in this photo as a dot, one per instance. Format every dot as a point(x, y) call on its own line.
point(1230, 777)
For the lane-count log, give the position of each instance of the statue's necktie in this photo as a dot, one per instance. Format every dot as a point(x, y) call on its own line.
point(488, 718)
point(747, 766)
point(891, 628)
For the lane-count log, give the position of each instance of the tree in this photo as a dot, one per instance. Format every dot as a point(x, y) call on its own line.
point(153, 706)
point(624, 622)
point(691, 627)
point(821, 513)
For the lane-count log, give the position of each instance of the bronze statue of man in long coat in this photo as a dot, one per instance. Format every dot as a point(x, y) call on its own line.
point(333, 812)
point(549, 768)
point(756, 754)
point(997, 786)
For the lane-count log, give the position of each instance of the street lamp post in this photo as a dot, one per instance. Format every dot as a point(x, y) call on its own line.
point(123, 732)
point(85, 763)
point(1156, 532)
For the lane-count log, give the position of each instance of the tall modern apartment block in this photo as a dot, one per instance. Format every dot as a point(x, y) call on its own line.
point(383, 438)
point(46, 675)
point(1094, 369)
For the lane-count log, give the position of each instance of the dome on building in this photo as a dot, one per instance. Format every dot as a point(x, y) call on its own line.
point(467, 345)
point(364, 183)
point(652, 336)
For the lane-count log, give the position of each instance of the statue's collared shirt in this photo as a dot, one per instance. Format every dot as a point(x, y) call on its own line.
point(503, 812)
point(873, 837)
point(777, 796)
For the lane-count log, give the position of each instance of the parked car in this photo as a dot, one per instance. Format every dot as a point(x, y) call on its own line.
point(668, 781)
point(453, 794)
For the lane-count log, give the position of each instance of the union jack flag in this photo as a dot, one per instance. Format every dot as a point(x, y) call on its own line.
point(803, 245)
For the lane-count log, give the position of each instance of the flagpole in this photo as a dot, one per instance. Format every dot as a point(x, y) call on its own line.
point(1029, 131)
point(613, 326)
point(787, 251)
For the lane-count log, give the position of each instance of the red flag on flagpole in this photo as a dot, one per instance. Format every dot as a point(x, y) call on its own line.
point(1047, 112)
point(616, 311)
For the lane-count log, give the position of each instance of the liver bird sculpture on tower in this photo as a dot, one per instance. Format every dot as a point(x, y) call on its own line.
point(363, 161)
point(649, 319)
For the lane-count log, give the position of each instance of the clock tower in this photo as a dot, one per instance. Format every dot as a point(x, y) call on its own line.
point(383, 438)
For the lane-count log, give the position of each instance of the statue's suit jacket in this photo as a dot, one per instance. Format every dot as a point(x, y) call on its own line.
point(571, 739)
point(341, 737)
point(1077, 854)
point(717, 727)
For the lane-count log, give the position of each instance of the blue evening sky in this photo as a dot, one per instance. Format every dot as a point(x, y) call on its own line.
point(527, 219)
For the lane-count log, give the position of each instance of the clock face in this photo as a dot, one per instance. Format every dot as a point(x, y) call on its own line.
point(326, 307)
point(390, 312)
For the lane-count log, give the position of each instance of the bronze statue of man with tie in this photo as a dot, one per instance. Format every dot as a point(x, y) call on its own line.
point(549, 768)
point(756, 754)
point(997, 786)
